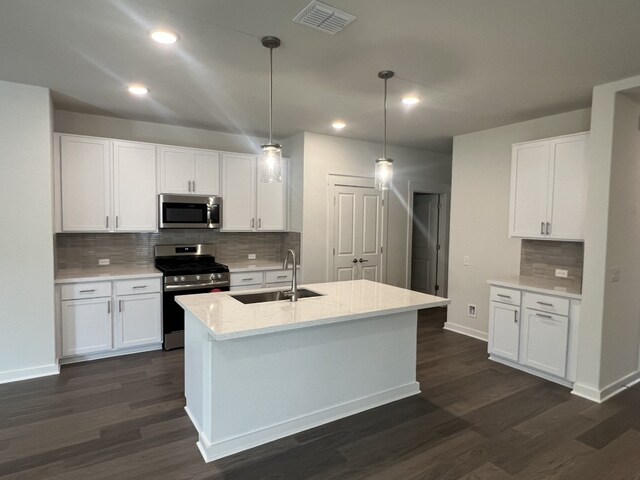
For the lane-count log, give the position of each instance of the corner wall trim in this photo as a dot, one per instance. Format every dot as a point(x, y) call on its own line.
point(469, 332)
point(28, 373)
point(610, 391)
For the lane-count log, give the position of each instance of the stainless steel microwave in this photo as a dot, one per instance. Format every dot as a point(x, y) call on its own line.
point(189, 211)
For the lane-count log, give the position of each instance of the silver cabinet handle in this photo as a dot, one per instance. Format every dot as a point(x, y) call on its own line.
point(88, 291)
point(541, 228)
point(246, 279)
point(259, 222)
point(117, 220)
point(120, 305)
point(502, 295)
point(362, 260)
point(281, 276)
point(548, 228)
point(515, 316)
point(109, 306)
point(140, 286)
point(253, 222)
point(544, 316)
point(355, 260)
point(194, 185)
point(189, 185)
point(545, 304)
point(107, 226)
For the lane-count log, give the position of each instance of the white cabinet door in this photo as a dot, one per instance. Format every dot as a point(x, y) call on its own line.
point(504, 331)
point(568, 188)
point(176, 170)
point(206, 180)
point(238, 193)
point(86, 326)
point(138, 320)
point(85, 182)
point(135, 202)
point(544, 339)
point(271, 207)
point(529, 190)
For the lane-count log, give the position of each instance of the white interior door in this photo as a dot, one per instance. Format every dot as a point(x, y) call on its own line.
point(357, 233)
point(424, 243)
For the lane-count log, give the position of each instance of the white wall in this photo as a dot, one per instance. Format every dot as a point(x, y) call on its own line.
point(480, 213)
point(27, 342)
point(324, 155)
point(609, 311)
point(110, 127)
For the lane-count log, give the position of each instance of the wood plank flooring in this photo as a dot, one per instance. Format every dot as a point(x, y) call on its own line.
point(123, 418)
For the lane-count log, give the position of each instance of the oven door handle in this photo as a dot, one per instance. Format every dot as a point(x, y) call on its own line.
point(194, 286)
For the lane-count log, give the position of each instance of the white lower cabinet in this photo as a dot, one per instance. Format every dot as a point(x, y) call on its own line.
point(100, 319)
point(534, 332)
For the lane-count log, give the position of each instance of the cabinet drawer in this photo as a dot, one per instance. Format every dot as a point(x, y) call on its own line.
point(505, 295)
point(246, 278)
point(546, 303)
point(72, 291)
point(142, 285)
point(276, 276)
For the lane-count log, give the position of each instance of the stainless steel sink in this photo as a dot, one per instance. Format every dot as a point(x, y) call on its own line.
point(276, 296)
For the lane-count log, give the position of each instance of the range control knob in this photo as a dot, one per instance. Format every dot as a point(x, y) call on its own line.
point(182, 279)
point(218, 275)
point(175, 279)
point(197, 277)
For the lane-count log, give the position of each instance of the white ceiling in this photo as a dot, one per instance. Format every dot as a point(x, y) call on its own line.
point(477, 64)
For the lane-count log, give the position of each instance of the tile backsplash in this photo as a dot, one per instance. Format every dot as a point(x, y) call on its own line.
point(540, 258)
point(78, 250)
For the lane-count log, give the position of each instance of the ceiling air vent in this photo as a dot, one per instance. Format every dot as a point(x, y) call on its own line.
point(324, 17)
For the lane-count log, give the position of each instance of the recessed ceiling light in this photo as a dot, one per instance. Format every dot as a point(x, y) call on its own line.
point(166, 37)
point(138, 89)
point(411, 99)
point(338, 125)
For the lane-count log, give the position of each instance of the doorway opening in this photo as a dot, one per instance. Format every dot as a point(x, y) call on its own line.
point(428, 241)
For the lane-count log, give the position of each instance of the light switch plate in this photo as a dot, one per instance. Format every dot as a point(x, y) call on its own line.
point(252, 256)
point(471, 310)
point(562, 273)
point(103, 261)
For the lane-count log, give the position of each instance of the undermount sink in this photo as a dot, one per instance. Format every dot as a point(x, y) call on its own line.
point(276, 296)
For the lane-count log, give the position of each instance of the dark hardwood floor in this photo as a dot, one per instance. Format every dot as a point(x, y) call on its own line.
point(123, 418)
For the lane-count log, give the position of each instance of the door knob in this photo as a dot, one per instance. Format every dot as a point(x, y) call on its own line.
point(362, 260)
point(355, 260)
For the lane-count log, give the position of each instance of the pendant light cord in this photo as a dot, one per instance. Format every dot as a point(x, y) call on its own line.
point(271, 96)
point(384, 135)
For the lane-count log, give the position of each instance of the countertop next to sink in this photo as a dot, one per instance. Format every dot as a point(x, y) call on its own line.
point(93, 274)
point(225, 317)
point(565, 289)
point(252, 265)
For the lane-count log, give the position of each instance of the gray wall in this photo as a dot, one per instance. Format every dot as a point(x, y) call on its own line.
point(480, 213)
point(27, 341)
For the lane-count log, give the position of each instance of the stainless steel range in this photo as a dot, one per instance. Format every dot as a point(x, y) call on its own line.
point(187, 269)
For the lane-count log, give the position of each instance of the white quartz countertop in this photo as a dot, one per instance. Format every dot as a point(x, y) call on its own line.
point(93, 274)
point(551, 287)
point(228, 318)
point(252, 265)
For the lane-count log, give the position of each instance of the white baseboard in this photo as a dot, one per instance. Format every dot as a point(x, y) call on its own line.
point(214, 450)
point(28, 373)
point(469, 332)
point(610, 391)
point(110, 353)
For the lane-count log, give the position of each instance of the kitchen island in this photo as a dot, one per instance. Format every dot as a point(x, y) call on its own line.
point(258, 372)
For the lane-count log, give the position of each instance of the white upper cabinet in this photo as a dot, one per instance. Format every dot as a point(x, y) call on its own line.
point(189, 170)
point(135, 205)
point(105, 185)
point(248, 204)
point(548, 186)
point(85, 178)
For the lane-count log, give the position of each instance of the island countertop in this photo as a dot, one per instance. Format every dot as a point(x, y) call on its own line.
point(228, 318)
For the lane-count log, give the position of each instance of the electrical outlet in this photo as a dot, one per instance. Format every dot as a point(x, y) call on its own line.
point(104, 261)
point(471, 310)
point(252, 256)
point(465, 261)
point(562, 273)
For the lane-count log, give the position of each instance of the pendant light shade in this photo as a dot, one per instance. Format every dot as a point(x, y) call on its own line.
point(384, 165)
point(271, 158)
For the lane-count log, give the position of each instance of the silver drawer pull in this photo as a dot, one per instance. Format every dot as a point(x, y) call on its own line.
point(504, 296)
point(88, 291)
point(247, 279)
point(544, 316)
point(282, 276)
point(545, 304)
point(140, 286)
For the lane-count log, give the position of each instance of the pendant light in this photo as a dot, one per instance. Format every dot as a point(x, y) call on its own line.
point(271, 158)
point(384, 165)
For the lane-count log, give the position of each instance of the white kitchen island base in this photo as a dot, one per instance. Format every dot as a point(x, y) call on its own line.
point(247, 391)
